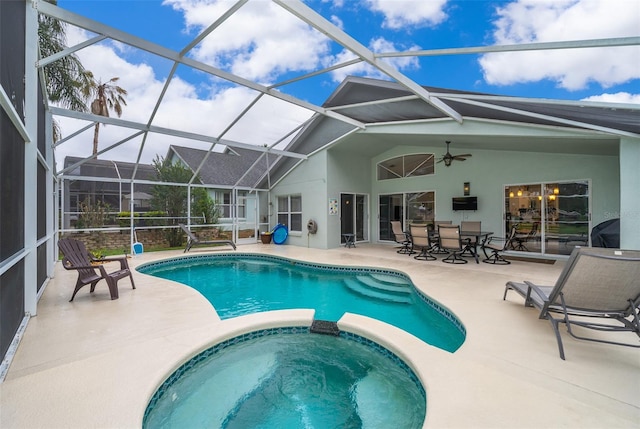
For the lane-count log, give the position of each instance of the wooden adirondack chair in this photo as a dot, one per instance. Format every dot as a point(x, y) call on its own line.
point(77, 258)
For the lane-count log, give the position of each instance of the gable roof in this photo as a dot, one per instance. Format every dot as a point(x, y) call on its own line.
point(104, 168)
point(231, 168)
point(373, 101)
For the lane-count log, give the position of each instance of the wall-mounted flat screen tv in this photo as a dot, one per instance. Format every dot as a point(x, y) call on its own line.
point(465, 203)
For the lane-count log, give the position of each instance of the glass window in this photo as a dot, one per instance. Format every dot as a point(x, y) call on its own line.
point(290, 212)
point(420, 207)
point(552, 218)
point(283, 204)
point(414, 207)
point(296, 203)
point(242, 205)
point(225, 207)
point(406, 166)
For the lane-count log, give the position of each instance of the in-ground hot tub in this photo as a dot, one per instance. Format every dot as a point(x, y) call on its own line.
point(290, 378)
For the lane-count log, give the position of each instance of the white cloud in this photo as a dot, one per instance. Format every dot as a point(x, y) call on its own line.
point(379, 44)
point(259, 42)
point(528, 21)
point(335, 20)
point(618, 97)
point(402, 13)
point(181, 109)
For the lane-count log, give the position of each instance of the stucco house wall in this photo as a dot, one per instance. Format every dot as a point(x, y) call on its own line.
point(309, 180)
point(488, 172)
point(346, 174)
point(329, 173)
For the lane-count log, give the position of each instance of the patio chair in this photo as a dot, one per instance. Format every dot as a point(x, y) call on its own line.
point(193, 240)
point(470, 240)
point(451, 241)
point(77, 258)
point(402, 238)
point(520, 239)
point(596, 283)
point(435, 238)
point(497, 246)
point(420, 239)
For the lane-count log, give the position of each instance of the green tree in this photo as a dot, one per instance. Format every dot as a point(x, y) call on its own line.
point(203, 204)
point(108, 96)
point(68, 83)
point(173, 199)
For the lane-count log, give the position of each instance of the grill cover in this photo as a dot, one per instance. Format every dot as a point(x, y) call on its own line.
point(606, 234)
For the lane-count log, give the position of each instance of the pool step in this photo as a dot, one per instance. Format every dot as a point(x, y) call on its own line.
point(363, 289)
point(384, 285)
point(258, 262)
point(388, 278)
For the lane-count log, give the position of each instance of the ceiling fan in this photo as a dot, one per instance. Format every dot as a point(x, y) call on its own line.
point(447, 158)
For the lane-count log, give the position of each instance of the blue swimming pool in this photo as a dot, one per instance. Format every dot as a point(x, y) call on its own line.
point(238, 284)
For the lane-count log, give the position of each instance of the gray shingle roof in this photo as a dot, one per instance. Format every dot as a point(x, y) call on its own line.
point(108, 168)
point(359, 98)
point(224, 169)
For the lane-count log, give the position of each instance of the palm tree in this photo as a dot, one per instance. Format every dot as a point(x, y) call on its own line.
point(67, 81)
point(109, 96)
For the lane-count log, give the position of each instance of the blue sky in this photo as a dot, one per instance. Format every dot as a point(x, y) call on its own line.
point(265, 44)
point(462, 24)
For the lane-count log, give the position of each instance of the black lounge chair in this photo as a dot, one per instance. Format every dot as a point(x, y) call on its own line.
point(497, 246)
point(77, 258)
point(193, 240)
point(596, 283)
point(521, 238)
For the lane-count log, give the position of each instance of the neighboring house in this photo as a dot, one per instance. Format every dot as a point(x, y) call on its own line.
point(231, 177)
point(560, 167)
point(109, 186)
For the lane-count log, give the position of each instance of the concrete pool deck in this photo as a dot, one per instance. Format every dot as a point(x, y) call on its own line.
point(94, 363)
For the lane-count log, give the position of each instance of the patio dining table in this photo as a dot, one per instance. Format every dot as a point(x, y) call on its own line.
point(480, 236)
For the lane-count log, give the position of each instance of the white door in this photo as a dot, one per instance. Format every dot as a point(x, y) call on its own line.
point(245, 217)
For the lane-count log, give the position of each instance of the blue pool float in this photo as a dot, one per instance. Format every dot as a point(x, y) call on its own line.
point(279, 233)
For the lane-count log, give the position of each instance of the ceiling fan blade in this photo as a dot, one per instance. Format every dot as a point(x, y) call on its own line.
point(463, 154)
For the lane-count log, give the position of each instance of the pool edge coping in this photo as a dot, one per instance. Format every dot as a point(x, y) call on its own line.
point(399, 342)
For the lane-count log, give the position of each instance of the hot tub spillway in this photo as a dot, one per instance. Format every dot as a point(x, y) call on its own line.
point(324, 327)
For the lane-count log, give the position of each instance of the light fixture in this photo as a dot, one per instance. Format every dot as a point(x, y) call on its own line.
point(519, 192)
point(511, 195)
point(539, 197)
point(552, 197)
point(447, 161)
point(556, 190)
point(467, 188)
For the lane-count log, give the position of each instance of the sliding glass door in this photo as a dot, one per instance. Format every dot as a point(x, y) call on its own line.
point(411, 207)
point(354, 209)
point(552, 218)
point(390, 207)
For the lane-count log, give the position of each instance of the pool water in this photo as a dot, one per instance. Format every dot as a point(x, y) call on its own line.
point(291, 380)
point(240, 284)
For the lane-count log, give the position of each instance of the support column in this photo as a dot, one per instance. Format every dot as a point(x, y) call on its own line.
point(51, 212)
point(31, 161)
point(629, 191)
